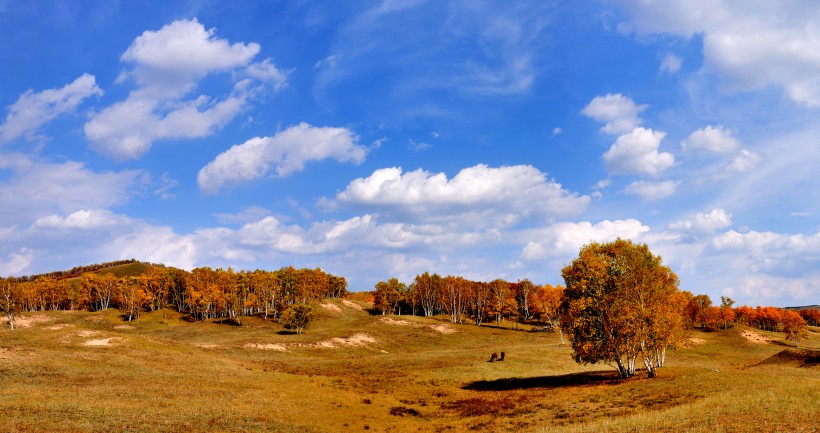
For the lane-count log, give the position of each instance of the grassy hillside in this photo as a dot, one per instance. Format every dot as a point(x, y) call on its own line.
point(350, 371)
point(125, 270)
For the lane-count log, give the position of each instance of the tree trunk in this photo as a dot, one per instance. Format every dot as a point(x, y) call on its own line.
point(622, 370)
point(650, 368)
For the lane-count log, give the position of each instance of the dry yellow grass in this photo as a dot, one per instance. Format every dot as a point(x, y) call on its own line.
point(351, 371)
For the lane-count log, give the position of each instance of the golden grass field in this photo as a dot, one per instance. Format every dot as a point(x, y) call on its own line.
point(351, 371)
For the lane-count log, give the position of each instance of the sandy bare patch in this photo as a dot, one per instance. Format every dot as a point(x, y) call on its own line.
point(86, 334)
point(444, 329)
point(400, 322)
point(276, 347)
point(330, 307)
point(694, 341)
point(126, 327)
point(356, 340)
point(26, 321)
point(101, 342)
point(206, 346)
point(754, 337)
point(352, 304)
point(60, 326)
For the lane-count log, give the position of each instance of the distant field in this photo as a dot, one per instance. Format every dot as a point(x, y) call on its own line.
point(350, 371)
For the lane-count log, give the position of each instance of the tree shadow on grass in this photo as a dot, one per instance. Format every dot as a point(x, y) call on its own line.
point(226, 321)
point(782, 343)
point(559, 381)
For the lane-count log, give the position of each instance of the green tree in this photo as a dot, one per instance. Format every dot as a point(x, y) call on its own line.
point(297, 317)
point(621, 305)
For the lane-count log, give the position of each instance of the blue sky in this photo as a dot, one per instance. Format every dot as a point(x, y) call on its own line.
point(387, 138)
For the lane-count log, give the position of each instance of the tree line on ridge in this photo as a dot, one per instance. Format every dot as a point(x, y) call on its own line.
point(202, 293)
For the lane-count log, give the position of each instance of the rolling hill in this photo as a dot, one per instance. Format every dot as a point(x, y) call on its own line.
point(353, 371)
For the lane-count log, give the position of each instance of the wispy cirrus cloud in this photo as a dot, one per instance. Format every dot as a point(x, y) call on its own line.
point(650, 190)
point(750, 45)
point(480, 48)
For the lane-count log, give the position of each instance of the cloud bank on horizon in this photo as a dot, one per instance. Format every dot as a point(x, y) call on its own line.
point(351, 137)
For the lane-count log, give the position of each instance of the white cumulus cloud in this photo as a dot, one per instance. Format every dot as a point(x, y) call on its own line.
point(268, 72)
point(671, 64)
point(713, 139)
point(488, 195)
point(34, 109)
point(285, 153)
point(17, 263)
point(744, 161)
point(769, 244)
point(186, 47)
point(127, 129)
point(637, 152)
point(618, 112)
point(166, 65)
point(566, 238)
point(93, 219)
point(703, 222)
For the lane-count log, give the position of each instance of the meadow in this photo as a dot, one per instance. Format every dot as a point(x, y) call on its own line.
point(67, 371)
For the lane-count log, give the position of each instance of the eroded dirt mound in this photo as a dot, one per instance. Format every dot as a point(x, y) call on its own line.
point(801, 357)
point(330, 307)
point(101, 342)
point(26, 320)
point(356, 340)
point(444, 329)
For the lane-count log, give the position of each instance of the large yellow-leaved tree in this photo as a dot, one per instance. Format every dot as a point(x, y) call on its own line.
point(622, 306)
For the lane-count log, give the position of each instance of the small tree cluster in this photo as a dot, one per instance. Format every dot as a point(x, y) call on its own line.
point(297, 317)
point(465, 301)
point(701, 313)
